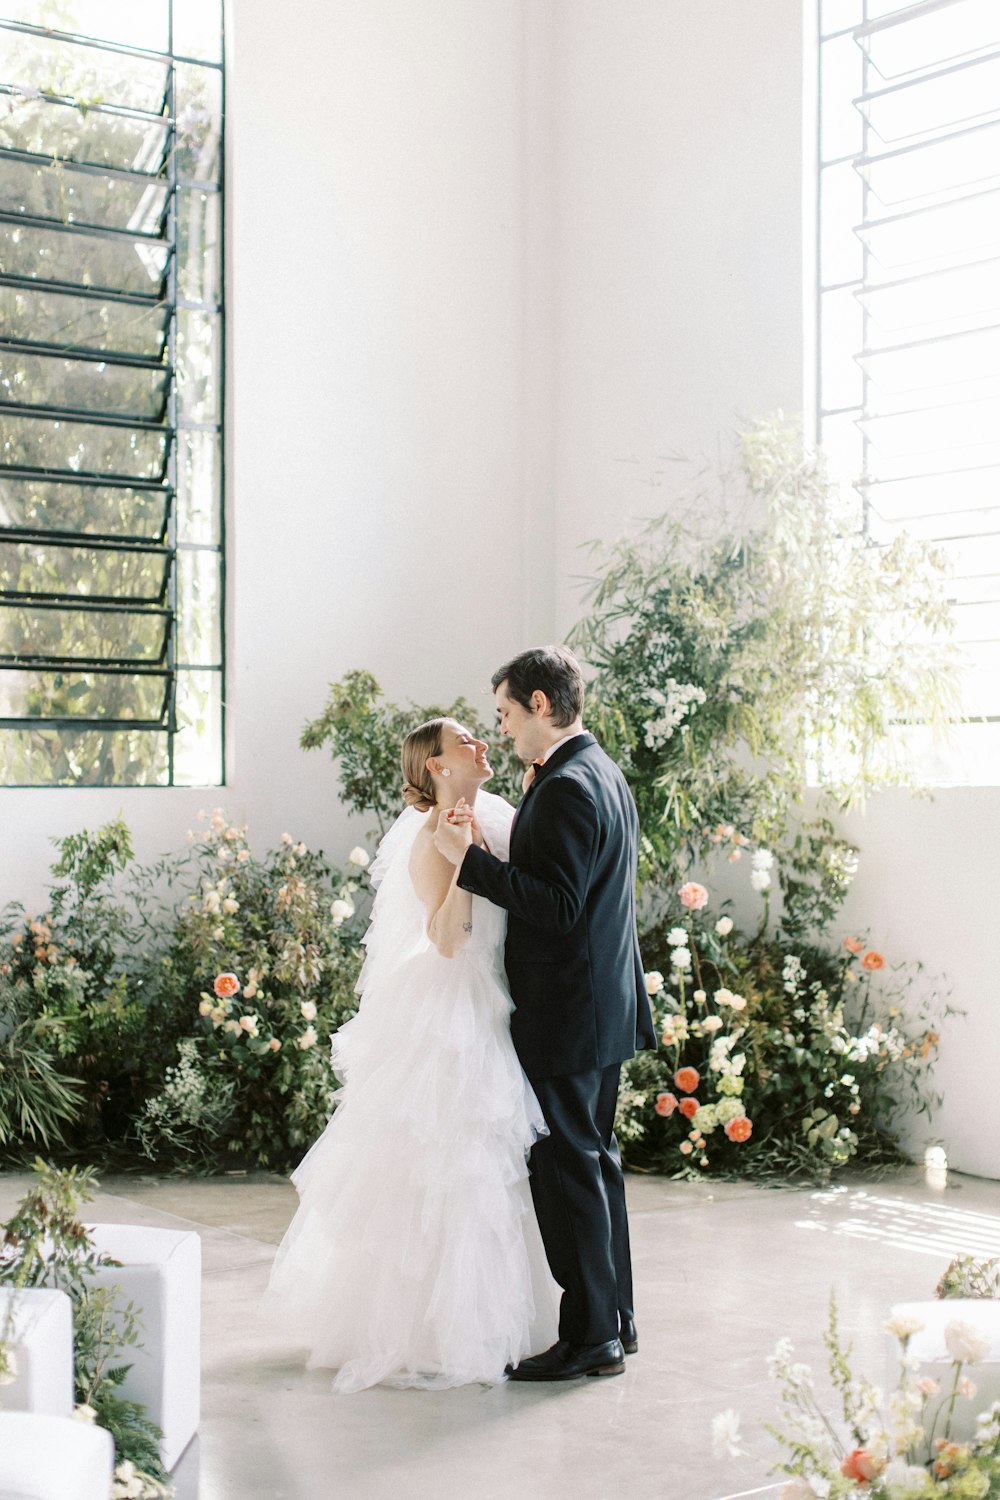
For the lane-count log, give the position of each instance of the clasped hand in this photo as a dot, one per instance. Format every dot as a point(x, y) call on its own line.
point(456, 830)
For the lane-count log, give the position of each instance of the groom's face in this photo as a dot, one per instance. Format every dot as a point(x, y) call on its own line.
point(519, 724)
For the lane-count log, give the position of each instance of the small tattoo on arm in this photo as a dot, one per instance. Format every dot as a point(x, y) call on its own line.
point(466, 926)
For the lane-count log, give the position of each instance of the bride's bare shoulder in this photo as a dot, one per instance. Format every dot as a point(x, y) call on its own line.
point(426, 865)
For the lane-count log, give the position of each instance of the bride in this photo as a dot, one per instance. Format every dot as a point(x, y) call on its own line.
point(414, 1258)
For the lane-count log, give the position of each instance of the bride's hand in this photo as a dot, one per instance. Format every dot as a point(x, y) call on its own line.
point(462, 816)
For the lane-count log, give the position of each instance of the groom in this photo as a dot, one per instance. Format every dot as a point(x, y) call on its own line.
point(573, 965)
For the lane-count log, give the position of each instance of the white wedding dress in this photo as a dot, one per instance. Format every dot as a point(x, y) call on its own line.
point(414, 1258)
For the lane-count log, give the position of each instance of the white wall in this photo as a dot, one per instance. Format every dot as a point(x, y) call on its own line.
point(678, 170)
point(495, 265)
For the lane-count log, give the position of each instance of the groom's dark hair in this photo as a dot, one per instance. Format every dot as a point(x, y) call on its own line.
point(552, 670)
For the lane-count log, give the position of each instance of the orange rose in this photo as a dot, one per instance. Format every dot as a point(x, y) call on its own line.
point(693, 896)
point(687, 1079)
point(872, 961)
point(689, 1107)
point(665, 1104)
point(853, 946)
point(226, 986)
point(739, 1129)
point(862, 1466)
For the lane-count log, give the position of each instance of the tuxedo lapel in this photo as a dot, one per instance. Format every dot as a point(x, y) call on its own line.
point(559, 757)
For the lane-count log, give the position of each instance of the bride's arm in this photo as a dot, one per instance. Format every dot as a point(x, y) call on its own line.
point(449, 908)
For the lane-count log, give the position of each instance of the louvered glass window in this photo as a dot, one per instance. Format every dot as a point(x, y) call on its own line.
point(111, 398)
point(909, 307)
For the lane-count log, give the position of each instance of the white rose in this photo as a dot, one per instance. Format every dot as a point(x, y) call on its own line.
point(677, 937)
point(903, 1327)
point(654, 982)
point(965, 1343)
point(699, 997)
point(737, 1002)
point(712, 1023)
point(242, 855)
point(340, 911)
point(681, 958)
point(308, 1010)
point(760, 880)
point(762, 859)
point(723, 997)
point(308, 1039)
point(902, 1480)
point(249, 1025)
point(726, 1433)
point(358, 856)
point(233, 1027)
point(724, 926)
point(127, 1483)
point(230, 905)
point(966, 1387)
point(212, 901)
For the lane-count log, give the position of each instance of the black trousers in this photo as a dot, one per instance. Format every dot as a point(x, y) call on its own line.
point(579, 1198)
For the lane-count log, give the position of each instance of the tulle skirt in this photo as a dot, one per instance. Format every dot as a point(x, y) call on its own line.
point(414, 1258)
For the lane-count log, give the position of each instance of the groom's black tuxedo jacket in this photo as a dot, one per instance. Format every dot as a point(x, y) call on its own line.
point(572, 955)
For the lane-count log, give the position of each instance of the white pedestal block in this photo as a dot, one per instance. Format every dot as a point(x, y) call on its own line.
point(928, 1346)
point(161, 1274)
point(53, 1458)
point(42, 1333)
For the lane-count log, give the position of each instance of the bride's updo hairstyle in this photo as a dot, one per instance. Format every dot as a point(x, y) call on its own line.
point(420, 744)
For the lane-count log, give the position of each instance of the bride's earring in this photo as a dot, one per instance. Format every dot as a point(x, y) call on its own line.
point(445, 771)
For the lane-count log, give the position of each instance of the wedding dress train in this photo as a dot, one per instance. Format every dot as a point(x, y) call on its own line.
point(414, 1258)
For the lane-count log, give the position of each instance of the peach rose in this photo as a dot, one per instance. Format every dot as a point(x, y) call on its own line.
point(685, 1148)
point(226, 986)
point(739, 1129)
point(687, 1079)
point(872, 961)
point(693, 896)
point(689, 1107)
point(862, 1465)
point(665, 1104)
point(853, 946)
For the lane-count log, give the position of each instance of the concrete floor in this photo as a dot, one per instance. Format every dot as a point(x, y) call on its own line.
point(721, 1272)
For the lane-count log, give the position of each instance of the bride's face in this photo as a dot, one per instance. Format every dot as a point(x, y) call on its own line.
point(464, 755)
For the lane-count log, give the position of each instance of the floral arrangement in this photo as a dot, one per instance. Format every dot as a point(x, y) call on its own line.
point(178, 1012)
point(903, 1448)
point(748, 642)
point(273, 944)
point(775, 1058)
point(969, 1277)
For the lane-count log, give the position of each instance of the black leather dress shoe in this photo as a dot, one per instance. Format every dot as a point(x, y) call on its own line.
point(566, 1361)
point(628, 1336)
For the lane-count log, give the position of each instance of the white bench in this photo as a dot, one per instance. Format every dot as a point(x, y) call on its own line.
point(53, 1458)
point(161, 1274)
point(929, 1348)
point(42, 1335)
